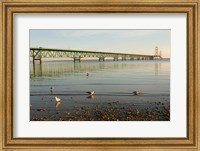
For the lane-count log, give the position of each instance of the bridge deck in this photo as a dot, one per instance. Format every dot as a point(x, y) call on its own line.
point(39, 53)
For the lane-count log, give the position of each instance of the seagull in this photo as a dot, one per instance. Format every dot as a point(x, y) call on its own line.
point(57, 99)
point(57, 104)
point(90, 92)
point(136, 92)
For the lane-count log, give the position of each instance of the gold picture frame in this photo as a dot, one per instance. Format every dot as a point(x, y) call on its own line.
point(190, 7)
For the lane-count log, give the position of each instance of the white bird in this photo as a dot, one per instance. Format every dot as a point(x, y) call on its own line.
point(57, 104)
point(136, 92)
point(90, 92)
point(57, 99)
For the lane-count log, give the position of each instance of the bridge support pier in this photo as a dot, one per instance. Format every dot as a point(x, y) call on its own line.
point(77, 59)
point(101, 59)
point(34, 60)
point(123, 58)
point(133, 58)
point(115, 58)
point(151, 58)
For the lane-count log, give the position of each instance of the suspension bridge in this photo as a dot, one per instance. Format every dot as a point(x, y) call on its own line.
point(77, 55)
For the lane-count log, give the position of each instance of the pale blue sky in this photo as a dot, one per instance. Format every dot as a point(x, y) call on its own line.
point(123, 41)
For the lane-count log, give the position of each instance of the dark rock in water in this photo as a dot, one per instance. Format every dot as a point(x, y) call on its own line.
point(109, 104)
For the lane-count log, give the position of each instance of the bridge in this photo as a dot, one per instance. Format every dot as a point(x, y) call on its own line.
point(39, 53)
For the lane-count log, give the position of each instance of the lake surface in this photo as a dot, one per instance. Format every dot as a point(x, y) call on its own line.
point(112, 81)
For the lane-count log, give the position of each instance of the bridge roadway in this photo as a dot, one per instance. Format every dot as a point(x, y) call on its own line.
point(39, 53)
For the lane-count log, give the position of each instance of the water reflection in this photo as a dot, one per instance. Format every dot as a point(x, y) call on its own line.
point(57, 69)
point(157, 68)
point(91, 97)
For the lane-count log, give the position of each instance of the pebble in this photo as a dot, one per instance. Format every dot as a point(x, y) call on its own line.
point(105, 112)
point(41, 110)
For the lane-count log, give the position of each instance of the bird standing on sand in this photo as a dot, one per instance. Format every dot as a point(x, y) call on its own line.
point(57, 104)
point(90, 92)
point(136, 92)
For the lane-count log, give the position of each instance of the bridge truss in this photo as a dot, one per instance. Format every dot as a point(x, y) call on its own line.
point(39, 53)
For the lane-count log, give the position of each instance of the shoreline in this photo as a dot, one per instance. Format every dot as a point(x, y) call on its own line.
point(105, 111)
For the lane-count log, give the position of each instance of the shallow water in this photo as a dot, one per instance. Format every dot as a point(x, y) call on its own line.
point(111, 81)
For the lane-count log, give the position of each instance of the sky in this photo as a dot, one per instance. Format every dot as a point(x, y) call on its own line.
point(119, 41)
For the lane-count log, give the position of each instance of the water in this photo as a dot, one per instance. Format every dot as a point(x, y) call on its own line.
point(111, 81)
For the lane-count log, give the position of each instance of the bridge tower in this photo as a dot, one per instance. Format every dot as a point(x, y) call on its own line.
point(156, 51)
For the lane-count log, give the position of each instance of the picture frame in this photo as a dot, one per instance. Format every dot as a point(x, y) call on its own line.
point(10, 7)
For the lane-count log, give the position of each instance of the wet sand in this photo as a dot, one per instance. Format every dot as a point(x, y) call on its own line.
point(129, 108)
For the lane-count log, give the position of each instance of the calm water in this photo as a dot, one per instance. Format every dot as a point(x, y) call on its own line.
point(111, 80)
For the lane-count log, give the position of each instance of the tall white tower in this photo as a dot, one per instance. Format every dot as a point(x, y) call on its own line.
point(156, 51)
